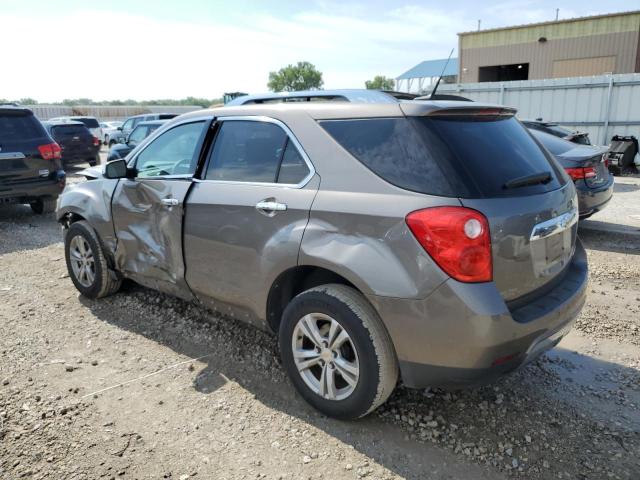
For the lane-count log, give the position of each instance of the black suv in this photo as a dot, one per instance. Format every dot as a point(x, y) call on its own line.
point(77, 142)
point(30, 164)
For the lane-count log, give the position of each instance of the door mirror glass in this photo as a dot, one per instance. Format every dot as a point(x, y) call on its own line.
point(116, 169)
point(120, 128)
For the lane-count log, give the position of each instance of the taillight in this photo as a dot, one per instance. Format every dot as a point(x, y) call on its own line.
point(581, 173)
point(96, 141)
point(457, 239)
point(50, 151)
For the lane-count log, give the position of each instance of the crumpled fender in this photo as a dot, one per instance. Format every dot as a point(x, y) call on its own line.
point(91, 200)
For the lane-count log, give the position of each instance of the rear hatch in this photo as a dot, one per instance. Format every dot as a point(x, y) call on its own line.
point(21, 163)
point(75, 140)
point(531, 208)
point(490, 162)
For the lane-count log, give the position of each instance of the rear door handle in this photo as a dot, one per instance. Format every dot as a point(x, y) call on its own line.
point(170, 202)
point(271, 206)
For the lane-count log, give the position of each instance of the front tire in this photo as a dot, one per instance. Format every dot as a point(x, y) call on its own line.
point(337, 352)
point(43, 206)
point(86, 262)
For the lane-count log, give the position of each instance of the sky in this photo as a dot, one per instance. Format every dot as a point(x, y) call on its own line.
point(120, 49)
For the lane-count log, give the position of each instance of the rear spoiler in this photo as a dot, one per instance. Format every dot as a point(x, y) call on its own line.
point(473, 112)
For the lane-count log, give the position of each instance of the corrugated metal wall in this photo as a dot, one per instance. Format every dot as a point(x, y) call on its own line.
point(614, 35)
point(601, 105)
point(45, 112)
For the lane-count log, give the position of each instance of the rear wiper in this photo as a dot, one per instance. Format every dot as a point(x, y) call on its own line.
point(535, 179)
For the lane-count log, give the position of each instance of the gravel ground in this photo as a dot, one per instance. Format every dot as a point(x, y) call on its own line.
point(142, 385)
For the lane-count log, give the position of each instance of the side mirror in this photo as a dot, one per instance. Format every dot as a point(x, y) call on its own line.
point(120, 128)
point(116, 169)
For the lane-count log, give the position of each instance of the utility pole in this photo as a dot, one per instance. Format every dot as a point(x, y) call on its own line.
point(557, 13)
point(479, 22)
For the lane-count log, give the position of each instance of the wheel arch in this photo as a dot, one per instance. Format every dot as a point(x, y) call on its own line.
point(295, 280)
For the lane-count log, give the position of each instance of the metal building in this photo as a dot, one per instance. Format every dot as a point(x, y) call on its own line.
point(574, 47)
point(422, 77)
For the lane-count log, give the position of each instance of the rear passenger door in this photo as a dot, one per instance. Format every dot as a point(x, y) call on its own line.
point(245, 217)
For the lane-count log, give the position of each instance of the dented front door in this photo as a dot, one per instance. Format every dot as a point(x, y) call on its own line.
point(147, 216)
point(147, 210)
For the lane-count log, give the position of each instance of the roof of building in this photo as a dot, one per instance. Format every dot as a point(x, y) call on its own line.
point(431, 68)
point(552, 22)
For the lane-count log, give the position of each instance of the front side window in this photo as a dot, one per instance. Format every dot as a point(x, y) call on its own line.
point(247, 151)
point(172, 153)
point(128, 125)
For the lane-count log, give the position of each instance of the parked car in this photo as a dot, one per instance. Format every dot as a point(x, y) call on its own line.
point(556, 130)
point(430, 240)
point(90, 122)
point(77, 142)
point(131, 122)
point(30, 167)
point(139, 133)
point(586, 166)
point(110, 132)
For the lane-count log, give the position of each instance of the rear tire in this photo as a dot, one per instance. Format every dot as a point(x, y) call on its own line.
point(43, 206)
point(348, 381)
point(86, 262)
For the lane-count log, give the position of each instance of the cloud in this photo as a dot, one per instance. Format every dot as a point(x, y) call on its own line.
point(129, 56)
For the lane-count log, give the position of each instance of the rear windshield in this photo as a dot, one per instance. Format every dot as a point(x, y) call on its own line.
point(457, 156)
point(18, 126)
point(555, 145)
point(66, 130)
point(88, 122)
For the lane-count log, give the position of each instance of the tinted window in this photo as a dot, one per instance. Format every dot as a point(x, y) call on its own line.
point(88, 122)
point(247, 151)
point(128, 125)
point(19, 126)
point(68, 130)
point(172, 153)
point(451, 156)
point(139, 133)
point(293, 168)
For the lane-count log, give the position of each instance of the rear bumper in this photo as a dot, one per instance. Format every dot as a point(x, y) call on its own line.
point(26, 192)
point(592, 200)
point(465, 334)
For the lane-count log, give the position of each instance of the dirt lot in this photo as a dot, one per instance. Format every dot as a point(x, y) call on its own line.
point(141, 385)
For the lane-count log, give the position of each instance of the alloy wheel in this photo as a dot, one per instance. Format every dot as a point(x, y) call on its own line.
point(82, 261)
point(325, 356)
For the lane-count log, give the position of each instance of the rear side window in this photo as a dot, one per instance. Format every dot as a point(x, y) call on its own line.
point(247, 151)
point(463, 156)
point(19, 126)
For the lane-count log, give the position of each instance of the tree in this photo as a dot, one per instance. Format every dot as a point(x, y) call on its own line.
point(380, 82)
point(302, 76)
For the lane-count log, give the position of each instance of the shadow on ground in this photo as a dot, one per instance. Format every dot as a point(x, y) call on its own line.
point(548, 387)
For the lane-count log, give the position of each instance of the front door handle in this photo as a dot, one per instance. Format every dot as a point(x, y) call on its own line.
point(170, 202)
point(269, 206)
